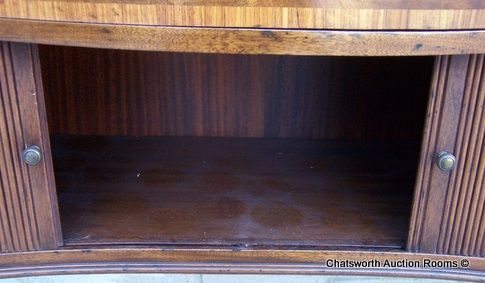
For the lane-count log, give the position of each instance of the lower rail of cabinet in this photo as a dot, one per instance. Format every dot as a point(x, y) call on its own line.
point(169, 260)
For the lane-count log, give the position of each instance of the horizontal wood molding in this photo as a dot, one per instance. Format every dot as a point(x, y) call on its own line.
point(326, 4)
point(449, 212)
point(28, 206)
point(244, 41)
point(192, 260)
point(334, 14)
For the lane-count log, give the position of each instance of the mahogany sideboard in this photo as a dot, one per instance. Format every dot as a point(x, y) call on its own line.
point(306, 137)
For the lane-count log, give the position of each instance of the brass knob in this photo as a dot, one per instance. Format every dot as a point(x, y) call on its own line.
point(32, 155)
point(446, 161)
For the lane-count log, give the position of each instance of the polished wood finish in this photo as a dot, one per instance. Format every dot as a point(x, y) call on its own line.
point(245, 41)
point(110, 92)
point(315, 14)
point(448, 208)
point(463, 228)
point(350, 193)
point(440, 131)
point(234, 192)
point(28, 210)
point(126, 259)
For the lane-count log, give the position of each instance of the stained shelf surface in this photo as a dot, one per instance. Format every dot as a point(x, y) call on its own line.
point(233, 191)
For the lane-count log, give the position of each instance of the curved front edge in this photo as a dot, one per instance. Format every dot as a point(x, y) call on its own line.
point(160, 260)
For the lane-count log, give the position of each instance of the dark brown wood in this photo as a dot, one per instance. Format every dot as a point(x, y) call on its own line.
point(234, 192)
point(463, 224)
point(100, 92)
point(447, 216)
point(165, 260)
point(28, 210)
point(291, 161)
point(245, 41)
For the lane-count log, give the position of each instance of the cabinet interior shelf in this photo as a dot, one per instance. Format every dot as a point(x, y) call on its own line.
point(244, 192)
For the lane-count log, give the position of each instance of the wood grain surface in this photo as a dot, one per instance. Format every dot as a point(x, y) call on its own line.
point(28, 205)
point(463, 226)
point(439, 135)
point(111, 92)
point(238, 261)
point(334, 14)
point(245, 41)
point(234, 192)
point(448, 212)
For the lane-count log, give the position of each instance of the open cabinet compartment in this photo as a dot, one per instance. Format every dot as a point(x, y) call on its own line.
point(234, 150)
